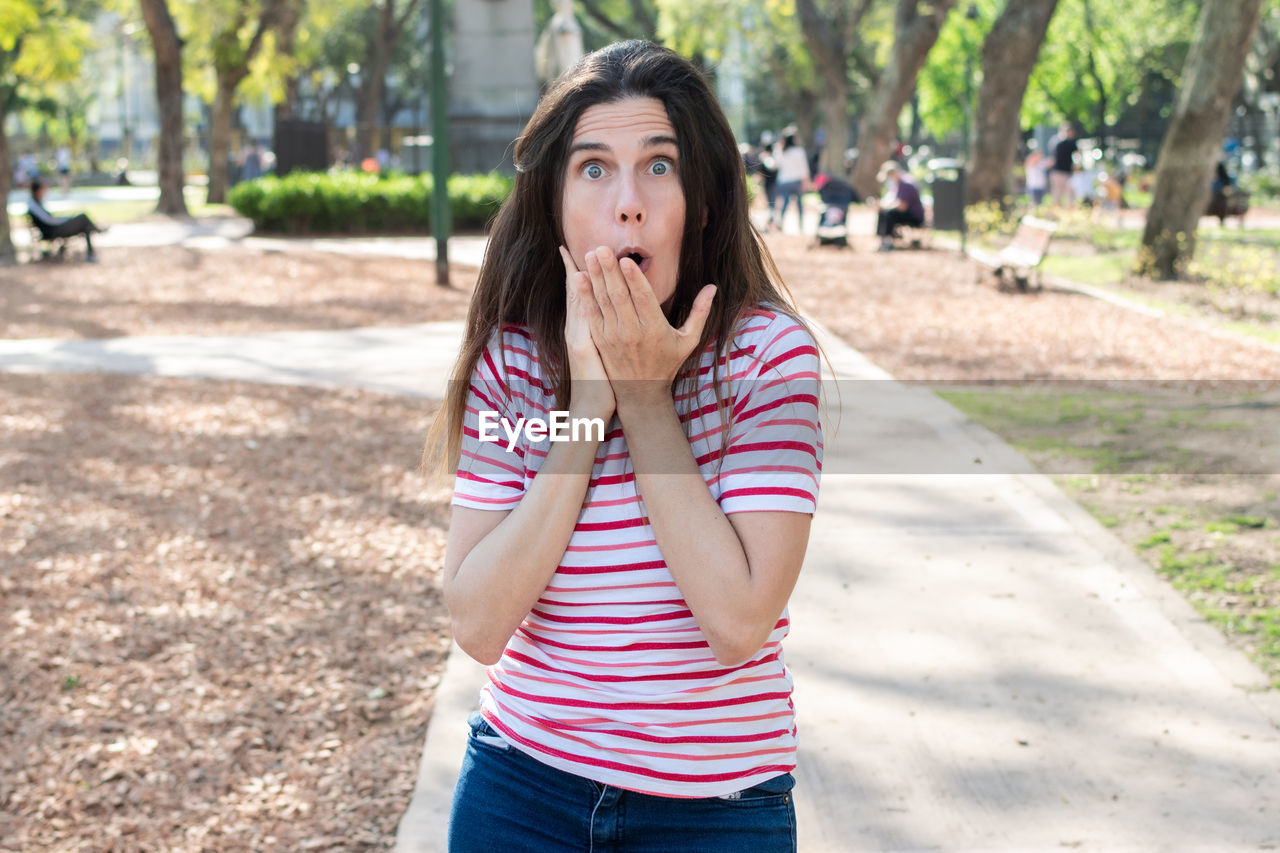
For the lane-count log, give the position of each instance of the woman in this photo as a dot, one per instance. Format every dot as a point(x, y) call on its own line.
point(1037, 179)
point(793, 177)
point(900, 205)
point(628, 590)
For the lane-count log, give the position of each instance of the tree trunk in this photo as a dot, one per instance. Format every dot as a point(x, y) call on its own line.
point(1184, 171)
point(286, 38)
point(8, 255)
point(369, 109)
point(915, 29)
point(231, 67)
point(805, 109)
point(168, 51)
point(1009, 55)
point(835, 111)
point(828, 38)
point(1099, 130)
point(803, 100)
point(220, 137)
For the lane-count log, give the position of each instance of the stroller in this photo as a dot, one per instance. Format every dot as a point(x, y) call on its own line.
point(837, 196)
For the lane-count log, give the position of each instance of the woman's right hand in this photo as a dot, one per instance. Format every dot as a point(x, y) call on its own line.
point(591, 395)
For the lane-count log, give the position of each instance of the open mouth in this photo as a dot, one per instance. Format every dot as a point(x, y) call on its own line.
point(637, 256)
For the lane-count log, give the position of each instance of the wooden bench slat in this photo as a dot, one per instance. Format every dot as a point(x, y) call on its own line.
point(1025, 251)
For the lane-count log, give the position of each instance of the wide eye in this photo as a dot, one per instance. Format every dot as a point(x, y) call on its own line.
point(593, 171)
point(660, 167)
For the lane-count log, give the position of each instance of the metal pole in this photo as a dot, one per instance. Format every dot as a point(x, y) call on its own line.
point(126, 138)
point(440, 213)
point(971, 14)
point(968, 101)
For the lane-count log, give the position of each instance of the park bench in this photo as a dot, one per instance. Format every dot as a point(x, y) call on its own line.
point(1021, 258)
point(44, 245)
point(1227, 203)
point(915, 236)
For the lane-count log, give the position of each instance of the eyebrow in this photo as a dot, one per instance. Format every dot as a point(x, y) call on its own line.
point(647, 142)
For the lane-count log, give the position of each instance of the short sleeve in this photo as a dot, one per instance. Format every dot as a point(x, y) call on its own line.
point(774, 459)
point(489, 475)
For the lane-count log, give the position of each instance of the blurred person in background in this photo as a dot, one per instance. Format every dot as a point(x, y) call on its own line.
point(793, 176)
point(54, 227)
point(900, 205)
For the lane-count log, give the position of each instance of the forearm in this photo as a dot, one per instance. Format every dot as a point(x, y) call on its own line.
point(702, 550)
point(502, 576)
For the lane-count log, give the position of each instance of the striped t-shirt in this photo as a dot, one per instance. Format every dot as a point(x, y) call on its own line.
point(609, 676)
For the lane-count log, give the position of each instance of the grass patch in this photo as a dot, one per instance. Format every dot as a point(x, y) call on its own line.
point(1098, 270)
point(131, 210)
point(1225, 528)
point(1253, 330)
point(1269, 237)
point(1160, 537)
point(1157, 469)
point(1070, 428)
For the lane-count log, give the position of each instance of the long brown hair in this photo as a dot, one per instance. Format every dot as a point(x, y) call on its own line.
point(522, 280)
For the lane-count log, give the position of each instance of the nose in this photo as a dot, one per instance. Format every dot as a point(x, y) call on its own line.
point(629, 205)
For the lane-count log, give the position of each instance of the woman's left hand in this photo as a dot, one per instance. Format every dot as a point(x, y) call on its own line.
point(641, 350)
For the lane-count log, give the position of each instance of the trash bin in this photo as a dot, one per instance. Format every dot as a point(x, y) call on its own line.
point(946, 183)
point(415, 154)
point(301, 145)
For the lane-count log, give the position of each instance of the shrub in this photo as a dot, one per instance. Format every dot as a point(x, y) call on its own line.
point(361, 203)
point(987, 220)
point(1237, 268)
point(1263, 187)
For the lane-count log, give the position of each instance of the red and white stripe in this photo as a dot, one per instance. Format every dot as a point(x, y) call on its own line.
point(609, 676)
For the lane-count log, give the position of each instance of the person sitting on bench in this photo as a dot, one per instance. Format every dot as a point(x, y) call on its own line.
point(53, 227)
point(900, 205)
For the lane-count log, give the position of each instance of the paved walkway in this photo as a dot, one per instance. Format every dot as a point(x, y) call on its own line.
point(227, 232)
point(979, 665)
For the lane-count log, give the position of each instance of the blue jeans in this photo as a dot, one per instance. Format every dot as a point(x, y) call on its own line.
point(508, 802)
point(786, 192)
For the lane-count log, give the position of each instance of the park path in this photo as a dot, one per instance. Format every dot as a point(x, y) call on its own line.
point(979, 665)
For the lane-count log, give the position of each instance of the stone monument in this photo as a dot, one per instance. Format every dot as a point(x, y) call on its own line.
point(560, 45)
point(493, 87)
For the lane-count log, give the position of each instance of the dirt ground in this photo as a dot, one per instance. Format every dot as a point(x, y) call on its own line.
point(222, 621)
point(178, 291)
point(929, 316)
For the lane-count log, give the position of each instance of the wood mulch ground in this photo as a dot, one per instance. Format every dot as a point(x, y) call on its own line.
point(175, 291)
point(221, 623)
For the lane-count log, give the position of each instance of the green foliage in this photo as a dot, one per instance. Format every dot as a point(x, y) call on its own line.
point(41, 43)
point(1094, 49)
point(217, 36)
point(1263, 187)
point(989, 220)
point(775, 56)
point(355, 202)
point(1147, 259)
point(1251, 521)
point(942, 84)
point(1097, 49)
point(1237, 267)
point(474, 199)
point(337, 35)
point(606, 21)
point(1160, 537)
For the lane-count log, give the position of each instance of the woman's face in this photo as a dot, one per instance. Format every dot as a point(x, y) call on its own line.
point(622, 190)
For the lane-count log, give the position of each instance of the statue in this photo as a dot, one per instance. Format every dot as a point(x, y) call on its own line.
point(560, 46)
